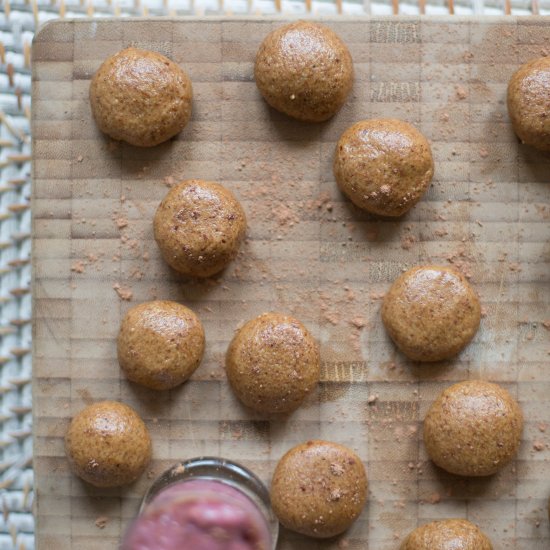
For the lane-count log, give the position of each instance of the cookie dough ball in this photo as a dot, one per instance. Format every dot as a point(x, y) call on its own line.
point(273, 363)
point(383, 166)
point(140, 97)
point(529, 103)
point(447, 534)
point(199, 227)
point(160, 344)
point(108, 445)
point(473, 428)
point(431, 313)
point(304, 70)
point(319, 489)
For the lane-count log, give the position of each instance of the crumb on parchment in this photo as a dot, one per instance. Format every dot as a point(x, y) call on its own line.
point(101, 522)
point(124, 292)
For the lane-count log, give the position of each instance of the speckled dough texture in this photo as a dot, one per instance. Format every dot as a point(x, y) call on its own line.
point(473, 428)
point(383, 165)
point(319, 489)
point(304, 70)
point(199, 226)
point(431, 313)
point(273, 363)
point(529, 103)
point(160, 344)
point(448, 534)
point(107, 444)
point(140, 97)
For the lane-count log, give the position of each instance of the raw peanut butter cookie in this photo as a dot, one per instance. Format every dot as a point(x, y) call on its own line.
point(273, 363)
point(107, 444)
point(199, 227)
point(319, 489)
point(160, 344)
point(304, 70)
point(140, 97)
point(473, 428)
point(431, 313)
point(383, 166)
point(529, 103)
point(447, 534)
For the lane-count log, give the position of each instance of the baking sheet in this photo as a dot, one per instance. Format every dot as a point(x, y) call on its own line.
point(309, 253)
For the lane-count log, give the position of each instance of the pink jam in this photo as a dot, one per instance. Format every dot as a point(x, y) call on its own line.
point(199, 515)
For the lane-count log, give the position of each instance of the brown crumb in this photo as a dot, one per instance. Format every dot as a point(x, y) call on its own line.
point(121, 222)
point(434, 498)
point(483, 153)
point(542, 427)
point(78, 267)
point(462, 260)
point(461, 92)
point(538, 446)
point(124, 292)
point(358, 322)
point(284, 216)
point(408, 241)
point(136, 274)
point(178, 470)
point(169, 181)
point(101, 522)
point(372, 399)
point(80, 158)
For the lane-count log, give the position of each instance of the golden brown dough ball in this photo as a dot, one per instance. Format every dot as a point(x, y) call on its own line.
point(108, 445)
point(383, 166)
point(199, 227)
point(160, 344)
point(529, 103)
point(473, 428)
point(319, 489)
point(304, 70)
point(140, 97)
point(447, 534)
point(273, 363)
point(431, 313)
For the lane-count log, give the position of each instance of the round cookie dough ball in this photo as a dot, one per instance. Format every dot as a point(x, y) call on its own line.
point(431, 313)
point(108, 445)
point(529, 103)
point(304, 70)
point(199, 227)
point(319, 489)
point(273, 363)
point(447, 534)
point(140, 97)
point(160, 344)
point(473, 428)
point(383, 166)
